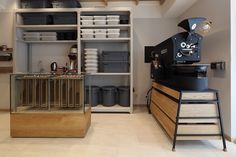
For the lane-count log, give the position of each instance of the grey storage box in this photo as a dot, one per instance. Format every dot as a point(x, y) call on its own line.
point(93, 95)
point(65, 4)
point(109, 96)
point(124, 96)
point(35, 4)
point(115, 56)
point(36, 19)
point(65, 18)
point(114, 67)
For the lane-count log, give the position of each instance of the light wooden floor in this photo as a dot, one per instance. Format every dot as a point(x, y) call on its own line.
point(110, 135)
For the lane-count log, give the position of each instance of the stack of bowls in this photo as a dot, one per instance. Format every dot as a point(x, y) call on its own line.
point(91, 60)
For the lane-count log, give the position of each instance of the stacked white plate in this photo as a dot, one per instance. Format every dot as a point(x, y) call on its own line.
point(91, 60)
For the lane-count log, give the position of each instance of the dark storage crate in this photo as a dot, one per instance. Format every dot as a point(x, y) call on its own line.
point(36, 19)
point(35, 4)
point(115, 56)
point(114, 67)
point(65, 4)
point(65, 18)
point(70, 35)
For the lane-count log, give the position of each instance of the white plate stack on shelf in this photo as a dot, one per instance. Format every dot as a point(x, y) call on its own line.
point(31, 36)
point(48, 36)
point(91, 60)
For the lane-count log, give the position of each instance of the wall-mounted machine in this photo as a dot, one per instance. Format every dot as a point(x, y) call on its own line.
point(172, 60)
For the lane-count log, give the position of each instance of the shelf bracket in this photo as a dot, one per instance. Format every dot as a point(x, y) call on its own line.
point(137, 2)
point(162, 2)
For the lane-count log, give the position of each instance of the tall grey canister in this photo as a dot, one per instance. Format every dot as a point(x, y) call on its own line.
point(124, 96)
point(93, 95)
point(109, 96)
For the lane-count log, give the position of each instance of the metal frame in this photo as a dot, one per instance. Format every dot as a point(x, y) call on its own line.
point(217, 101)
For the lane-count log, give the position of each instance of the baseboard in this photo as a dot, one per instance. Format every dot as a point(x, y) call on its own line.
point(230, 139)
point(4, 110)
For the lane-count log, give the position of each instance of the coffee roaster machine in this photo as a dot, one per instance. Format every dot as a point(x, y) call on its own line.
point(174, 62)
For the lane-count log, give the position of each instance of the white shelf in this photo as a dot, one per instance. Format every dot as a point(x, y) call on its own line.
point(110, 74)
point(111, 109)
point(47, 27)
point(120, 26)
point(50, 42)
point(105, 39)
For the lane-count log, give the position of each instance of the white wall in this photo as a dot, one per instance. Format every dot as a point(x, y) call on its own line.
point(148, 32)
point(216, 47)
point(233, 67)
point(6, 36)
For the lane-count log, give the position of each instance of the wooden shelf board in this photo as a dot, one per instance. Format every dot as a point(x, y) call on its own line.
point(115, 108)
point(51, 42)
point(121, 26)
point(105, 40)
point(110, 74)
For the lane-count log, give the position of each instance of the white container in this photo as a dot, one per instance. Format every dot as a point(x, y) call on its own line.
point(32, 34)
point(100, 30)
point(100, 35)
point(32, 38)
point(113, 35)
point(100, 22)
point(113, 22)
point(86, 17)
point(48, 33)
point(113, 30)
point(91, 57)
point(86, 22)
point(91, 61)
point(113, 17)
point(89, 50)
point(91, 53)
point(87, 30)
point(88, 65)
point(99, 17)
point(48, 38)
point(87, 35)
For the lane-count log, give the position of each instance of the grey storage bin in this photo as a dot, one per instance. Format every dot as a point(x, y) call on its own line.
point(93, 95)
point(65, 18)
point(114, 67)
point(35, 4)
point(36, 19)
point(65, 4)
point(115, 56)
point(124, 96)
point(109, 96)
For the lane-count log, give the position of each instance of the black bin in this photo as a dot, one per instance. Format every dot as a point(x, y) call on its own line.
point(124, 96)
point(65, 4)
point(114, 66)
point(93, 95)
point(35, 4)
point(115, 56)
point(36, 19)
point(65, 18)
point(109, 96)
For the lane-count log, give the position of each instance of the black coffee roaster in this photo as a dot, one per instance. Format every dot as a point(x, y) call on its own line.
point(174, 61)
